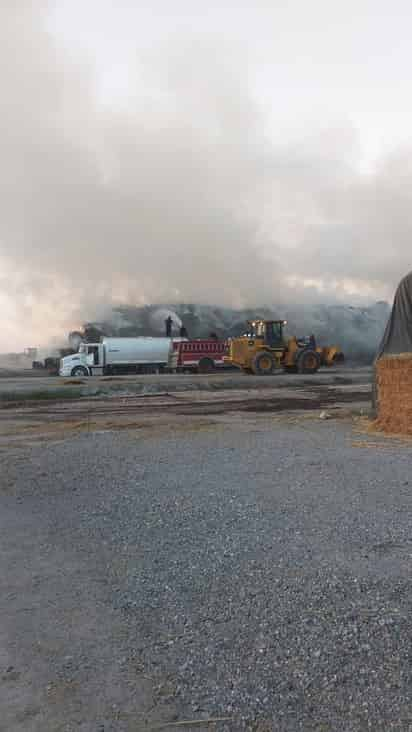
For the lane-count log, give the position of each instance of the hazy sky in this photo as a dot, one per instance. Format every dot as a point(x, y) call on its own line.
point(217, 152)
point(323, 62)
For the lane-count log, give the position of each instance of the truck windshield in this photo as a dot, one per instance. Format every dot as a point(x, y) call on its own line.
point(82, 348)
point(94, 351)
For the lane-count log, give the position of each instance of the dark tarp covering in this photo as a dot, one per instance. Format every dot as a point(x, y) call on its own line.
point(397, 337)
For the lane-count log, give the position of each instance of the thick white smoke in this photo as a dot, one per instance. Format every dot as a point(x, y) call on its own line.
point(180, 197)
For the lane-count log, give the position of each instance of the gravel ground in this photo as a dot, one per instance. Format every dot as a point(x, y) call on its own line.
point(254, 569)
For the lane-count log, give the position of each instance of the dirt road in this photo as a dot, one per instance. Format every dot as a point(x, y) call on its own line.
point(22, 419)
point(21, 385)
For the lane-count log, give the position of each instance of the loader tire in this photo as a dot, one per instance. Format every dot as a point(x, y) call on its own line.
point(263, 364)
point(308, 362)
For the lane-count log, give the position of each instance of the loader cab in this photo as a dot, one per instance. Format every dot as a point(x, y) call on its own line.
point(269, 332)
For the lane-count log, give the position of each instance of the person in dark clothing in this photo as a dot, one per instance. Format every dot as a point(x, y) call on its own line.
point(312, 341)
point(168, 324)
point(183, 332)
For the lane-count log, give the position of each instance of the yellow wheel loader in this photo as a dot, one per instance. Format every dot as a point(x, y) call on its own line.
point(262, 349)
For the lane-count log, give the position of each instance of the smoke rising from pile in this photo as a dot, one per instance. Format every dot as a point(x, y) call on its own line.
point(180, 197)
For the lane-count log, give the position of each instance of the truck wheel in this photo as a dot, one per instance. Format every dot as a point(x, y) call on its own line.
point(263, 364)
point(206, 366)
point(80, 371)
point(308, 362)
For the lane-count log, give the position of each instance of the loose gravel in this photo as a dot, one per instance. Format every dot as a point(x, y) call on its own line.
point(262, 569)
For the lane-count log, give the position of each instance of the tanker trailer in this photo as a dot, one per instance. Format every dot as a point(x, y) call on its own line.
point(120, 356)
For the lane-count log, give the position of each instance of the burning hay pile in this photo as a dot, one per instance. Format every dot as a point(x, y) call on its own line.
point(393, 366)
point(358, 331)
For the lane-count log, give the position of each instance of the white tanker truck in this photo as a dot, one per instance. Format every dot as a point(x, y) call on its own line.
point(120, 356)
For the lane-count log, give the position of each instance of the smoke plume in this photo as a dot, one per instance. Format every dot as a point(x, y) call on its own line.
point(179, 196)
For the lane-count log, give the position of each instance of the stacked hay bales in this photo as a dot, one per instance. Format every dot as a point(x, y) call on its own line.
point(394, 393)
point(392, 386)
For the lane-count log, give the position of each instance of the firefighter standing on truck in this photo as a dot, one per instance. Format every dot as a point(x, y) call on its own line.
point(168, 324)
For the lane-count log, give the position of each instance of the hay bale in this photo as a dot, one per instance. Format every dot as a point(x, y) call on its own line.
point(394, 385)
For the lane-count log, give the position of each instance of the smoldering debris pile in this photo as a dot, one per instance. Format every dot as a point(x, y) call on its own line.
point(356, 330)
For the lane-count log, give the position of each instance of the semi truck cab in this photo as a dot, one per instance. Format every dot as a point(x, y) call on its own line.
point(81, 363)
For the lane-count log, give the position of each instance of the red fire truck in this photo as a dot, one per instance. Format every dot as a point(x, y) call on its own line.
point(202, 355)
